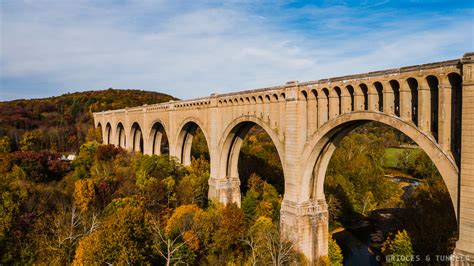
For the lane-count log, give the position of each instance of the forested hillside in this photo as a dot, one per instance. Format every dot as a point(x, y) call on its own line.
point(63, 123)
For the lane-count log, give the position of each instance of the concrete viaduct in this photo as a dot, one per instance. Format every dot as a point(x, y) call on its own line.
point(433, 104)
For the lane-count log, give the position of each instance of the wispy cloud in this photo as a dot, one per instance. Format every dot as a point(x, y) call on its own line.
point(192, 49)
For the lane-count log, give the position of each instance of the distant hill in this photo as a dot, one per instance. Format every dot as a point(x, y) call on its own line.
point(62, 123)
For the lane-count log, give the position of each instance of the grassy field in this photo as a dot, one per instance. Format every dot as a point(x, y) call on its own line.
point(392, 154)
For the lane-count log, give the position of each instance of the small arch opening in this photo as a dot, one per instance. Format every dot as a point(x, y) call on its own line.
point(365, 92)
point(326, 104)
point(396, 96)
point(379, 88)
point(455, 81)
point(433, 83)
point(350, 89)
point(413, 85)
point(339, 98)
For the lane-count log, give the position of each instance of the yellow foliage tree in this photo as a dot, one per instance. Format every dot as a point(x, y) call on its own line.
point(124, 238)
point(84, 194)
point(181, 220)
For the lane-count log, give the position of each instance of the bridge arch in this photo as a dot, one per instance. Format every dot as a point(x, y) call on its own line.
point(120, 135)
point(413, 88)
point(231, 141)
point(184, 140)
point(323, 143)
point(395, 101)
point(349, 91)
point(158, 137)
point(136, 137)
point(454, 81)
point(432, 82)
point(377, 91)
point(108, 134)
point(99, 126)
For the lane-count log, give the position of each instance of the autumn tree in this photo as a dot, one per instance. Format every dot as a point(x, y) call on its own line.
point(230, 231)
point(84, 160)
point(398, 249)
point(60, 232)
point(5, 145)
point(268, 245)
point(432, 205)
point(193, 187)
point(355, 175)
point(123, 238)
point(84, 194)
point(30, 140)
point(334, 253)
point(261, 199)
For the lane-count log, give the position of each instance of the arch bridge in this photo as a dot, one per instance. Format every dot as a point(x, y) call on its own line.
point(432, 103)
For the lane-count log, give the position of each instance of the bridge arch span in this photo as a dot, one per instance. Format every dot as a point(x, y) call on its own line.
point(136, 137)
point(99, 126)
point(226, 184)
point(121, 137)
point(231, 142)
point(157, 131)
point(323, 143)
point(108, 134)
point(184, 139)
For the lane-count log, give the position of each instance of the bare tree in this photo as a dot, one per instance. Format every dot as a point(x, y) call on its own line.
point(254, 254)
point(269, 246)
point(171, 245)
point(279, 247)
point(65, 231)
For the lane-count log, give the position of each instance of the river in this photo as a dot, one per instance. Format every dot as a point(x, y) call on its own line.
point(355, 250)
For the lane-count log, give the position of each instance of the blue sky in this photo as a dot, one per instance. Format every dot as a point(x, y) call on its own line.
point(195, 48)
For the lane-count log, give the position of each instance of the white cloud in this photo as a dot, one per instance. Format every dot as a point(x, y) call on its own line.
point(191, 52)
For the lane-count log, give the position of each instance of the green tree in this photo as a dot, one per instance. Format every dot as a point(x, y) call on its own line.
point(398, 249)
point(355, 175)
point(432, 205)
point(249, 206)
point(84, 160)
point(334, 253)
